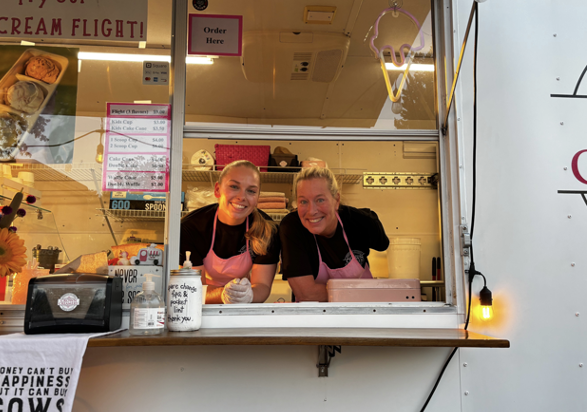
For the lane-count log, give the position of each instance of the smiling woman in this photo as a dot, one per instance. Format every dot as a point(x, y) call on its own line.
point(324, 239)
point(232, 241)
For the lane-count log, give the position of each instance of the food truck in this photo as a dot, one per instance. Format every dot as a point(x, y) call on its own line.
point(491, 167)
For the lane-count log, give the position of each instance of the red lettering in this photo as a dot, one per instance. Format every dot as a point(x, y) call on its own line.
point(42, 4)
point(56, 27)
point(41, 26)
point(15, 25)
point(61, 1)
point(107, 32)
point(85, 33)
point(27, 26)
point(74, 26)
point(142, 35)
point(95, 27)
point(119, 27)
point(3, 18)
point(575, 166)
point(132, 27)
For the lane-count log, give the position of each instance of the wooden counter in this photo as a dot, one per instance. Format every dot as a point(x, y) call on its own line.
point(308, 336)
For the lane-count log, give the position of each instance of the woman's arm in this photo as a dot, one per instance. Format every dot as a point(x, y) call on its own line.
point(261, 281)
point(305, 288)
point(213, 293)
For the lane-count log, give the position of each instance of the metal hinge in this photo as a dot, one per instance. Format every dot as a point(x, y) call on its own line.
point(465, 240)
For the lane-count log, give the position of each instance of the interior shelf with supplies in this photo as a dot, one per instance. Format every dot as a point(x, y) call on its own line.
point(61, 172)
point(345, 176)
point(132, 215)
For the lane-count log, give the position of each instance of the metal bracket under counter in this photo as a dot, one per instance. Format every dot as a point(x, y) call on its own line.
point(325, 354)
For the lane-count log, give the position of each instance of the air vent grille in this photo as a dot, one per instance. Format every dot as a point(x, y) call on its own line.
point(299, 76)
point(302, 56)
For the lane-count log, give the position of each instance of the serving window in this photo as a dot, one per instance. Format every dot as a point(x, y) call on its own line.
point(306, 80)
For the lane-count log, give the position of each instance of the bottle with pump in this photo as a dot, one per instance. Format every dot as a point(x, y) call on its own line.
point(147, 310)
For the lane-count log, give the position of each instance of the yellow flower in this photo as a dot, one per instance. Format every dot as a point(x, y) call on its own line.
point(12, 253)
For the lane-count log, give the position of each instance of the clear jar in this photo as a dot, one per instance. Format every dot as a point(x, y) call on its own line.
point(184, 300)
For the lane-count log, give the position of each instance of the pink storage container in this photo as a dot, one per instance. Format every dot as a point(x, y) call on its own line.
point(373, 290)
point(228, 153)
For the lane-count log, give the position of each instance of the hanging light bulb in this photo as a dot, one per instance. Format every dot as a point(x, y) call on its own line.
point(100, 147)
point(396, 107)
point(486, 301)
point(100, 152)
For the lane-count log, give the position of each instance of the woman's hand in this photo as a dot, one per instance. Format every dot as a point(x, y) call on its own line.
point(238, 291)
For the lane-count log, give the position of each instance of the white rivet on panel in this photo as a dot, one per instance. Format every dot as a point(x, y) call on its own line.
point(565, 168)
point(465, 364)
point(562, 123)
point(577, 314)
point(569, 216)
point(573, 264)
point(466, 393)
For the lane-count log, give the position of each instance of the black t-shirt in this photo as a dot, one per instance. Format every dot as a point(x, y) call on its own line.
point(300, 255)
point(196, 236)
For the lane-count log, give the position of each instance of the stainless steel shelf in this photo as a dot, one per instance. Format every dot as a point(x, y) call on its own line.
point(134, 215)
point(344, 176)
point(61, 172)
point(93, 172)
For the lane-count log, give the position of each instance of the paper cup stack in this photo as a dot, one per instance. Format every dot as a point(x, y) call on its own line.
point(28, 178)
point(7, 171)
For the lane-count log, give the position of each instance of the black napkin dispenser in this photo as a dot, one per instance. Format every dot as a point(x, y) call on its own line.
point(73, 303)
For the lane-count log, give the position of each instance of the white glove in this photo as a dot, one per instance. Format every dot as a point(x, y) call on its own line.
point(237, 291)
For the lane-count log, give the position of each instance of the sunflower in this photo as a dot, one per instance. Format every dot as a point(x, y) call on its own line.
point(12, 253)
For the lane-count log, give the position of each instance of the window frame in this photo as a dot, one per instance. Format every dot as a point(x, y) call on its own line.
point(422, 314)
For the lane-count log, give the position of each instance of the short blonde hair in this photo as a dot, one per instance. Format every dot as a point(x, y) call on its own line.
point(317, 173)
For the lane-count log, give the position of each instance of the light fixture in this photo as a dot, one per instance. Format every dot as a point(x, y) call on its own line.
point(26, 43)
point(413, 67)
point(486, 301)
point(127, 57)
point(100, 151)
point(100, 147)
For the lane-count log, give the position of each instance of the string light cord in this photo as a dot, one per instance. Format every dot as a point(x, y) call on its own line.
point(89, 133)
point(472, 271)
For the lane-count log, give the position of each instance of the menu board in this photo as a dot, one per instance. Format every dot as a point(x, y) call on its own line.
point(136, 148)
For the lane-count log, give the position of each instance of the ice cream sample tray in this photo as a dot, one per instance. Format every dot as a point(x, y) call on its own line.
point(25, 91)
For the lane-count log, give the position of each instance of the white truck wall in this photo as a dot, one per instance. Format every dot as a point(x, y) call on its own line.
point(526, 237)
point(526, 234)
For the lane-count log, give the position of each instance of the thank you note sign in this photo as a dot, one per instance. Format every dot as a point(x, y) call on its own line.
point(74, 19)
point(136, 150)
point(215, 35)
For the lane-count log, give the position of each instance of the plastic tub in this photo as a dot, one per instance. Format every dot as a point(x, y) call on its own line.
point(403, 258)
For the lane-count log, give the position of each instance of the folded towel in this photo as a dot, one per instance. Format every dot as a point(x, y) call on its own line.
point(272, 199)
point(271, 194)
point(271, 205)
point(277, 211)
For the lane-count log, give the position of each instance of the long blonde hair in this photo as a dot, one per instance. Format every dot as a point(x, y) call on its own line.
point(261, 231)
point(317, 173)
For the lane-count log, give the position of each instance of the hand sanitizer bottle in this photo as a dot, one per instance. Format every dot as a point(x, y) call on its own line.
point(147, 310)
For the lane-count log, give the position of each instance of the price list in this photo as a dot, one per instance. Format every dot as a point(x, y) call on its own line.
point(136, 149)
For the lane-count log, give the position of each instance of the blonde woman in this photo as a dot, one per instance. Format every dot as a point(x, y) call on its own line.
point(234, 244)
point(324, 239)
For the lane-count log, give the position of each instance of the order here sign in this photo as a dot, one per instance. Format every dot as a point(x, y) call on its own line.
point(218, 35)
point(113, 20)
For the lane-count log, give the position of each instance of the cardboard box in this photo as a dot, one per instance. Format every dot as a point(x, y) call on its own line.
point(133, 278)
point(374, 290)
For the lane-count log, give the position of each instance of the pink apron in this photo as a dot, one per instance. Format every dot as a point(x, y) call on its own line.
point(221, 271)
point(353, 270)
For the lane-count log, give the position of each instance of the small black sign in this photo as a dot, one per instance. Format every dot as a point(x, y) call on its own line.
point(200, 4)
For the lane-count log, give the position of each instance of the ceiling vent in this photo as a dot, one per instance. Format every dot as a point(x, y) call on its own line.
point(293, 56)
